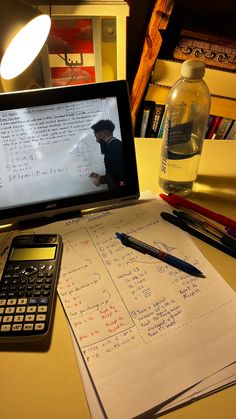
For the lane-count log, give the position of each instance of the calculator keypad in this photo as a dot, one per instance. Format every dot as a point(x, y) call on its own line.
point(25, 299)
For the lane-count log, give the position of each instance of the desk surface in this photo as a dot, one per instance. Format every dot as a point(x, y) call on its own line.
point(47, 384)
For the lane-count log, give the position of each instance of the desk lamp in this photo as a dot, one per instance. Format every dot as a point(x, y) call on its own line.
point(23, 32)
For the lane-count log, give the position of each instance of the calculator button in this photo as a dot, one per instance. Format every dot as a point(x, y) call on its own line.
point(40, 317)
point(30, 270)
point(29, 317)
point(7, 319)
point(22, 301)
point(31, 281)
point(43, 300)
point(42, 267)
point(42, 309)
point(28, 326)
point(20, 309)
point(50, 267)
point(17, 327)
point(2, 310)
point(18, 318)
point(9, 310)
point(39, 326)
point(31, 309)
point(48, 281)
point(5, 328)
point(11, 302)
point(32, 301)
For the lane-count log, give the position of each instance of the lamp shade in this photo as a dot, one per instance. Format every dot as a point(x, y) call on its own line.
point(23, 32)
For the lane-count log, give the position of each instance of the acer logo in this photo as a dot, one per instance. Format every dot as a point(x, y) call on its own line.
point(51, 206)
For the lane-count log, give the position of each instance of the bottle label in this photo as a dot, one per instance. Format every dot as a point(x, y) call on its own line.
point(179, 134)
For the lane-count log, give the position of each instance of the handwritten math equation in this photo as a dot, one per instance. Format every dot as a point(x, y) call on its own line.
point(114, 295)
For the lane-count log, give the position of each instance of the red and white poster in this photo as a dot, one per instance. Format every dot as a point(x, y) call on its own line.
point(72, 55)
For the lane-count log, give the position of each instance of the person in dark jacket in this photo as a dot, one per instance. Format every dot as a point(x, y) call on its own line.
point(111, 147)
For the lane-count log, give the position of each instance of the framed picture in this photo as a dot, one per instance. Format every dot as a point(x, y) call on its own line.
point(74, 46)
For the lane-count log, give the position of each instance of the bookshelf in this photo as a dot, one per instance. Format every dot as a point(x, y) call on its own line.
point(166, 69)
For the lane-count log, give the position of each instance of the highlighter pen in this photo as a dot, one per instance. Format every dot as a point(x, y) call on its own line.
point(176, 200)
point(197, 233)
point(158, 254)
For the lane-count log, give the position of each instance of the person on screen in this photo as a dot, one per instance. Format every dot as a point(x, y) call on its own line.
point(111, 147)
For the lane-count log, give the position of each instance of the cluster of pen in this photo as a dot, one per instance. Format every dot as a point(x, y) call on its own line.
point(193, 219)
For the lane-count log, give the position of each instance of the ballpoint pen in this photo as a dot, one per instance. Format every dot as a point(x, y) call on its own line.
point(206, 227)
point(198, 233)
point(176, 200)
point(142, 247)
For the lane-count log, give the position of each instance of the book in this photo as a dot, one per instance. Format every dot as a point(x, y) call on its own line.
point(144, 118)
point(232, 132)
point(213, 127)
point(220, 83)
point(224, 128)
point(156, 120)
point(161, 128)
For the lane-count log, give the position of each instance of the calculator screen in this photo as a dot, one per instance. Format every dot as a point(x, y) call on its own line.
point(35, 253)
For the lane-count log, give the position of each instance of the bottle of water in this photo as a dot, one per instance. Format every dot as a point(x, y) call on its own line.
point(185, 122)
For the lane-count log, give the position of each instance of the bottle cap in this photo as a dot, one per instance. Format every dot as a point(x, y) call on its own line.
point(193, 69)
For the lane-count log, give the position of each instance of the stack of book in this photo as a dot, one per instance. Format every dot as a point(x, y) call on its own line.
point(149, 119)
point(220, 128)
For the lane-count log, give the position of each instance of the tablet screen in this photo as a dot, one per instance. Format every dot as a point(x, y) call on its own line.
point(65, 147)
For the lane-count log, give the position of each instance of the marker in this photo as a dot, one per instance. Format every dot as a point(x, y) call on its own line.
point(198, 233)
point(176, 200)
point(158, 254)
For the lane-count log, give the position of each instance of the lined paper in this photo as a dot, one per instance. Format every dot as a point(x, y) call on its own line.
point(139, 322)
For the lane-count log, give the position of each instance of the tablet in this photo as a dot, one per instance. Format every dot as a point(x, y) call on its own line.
point(65, 149)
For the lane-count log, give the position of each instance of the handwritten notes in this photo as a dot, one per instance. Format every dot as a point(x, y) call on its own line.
point(51, 148)
point(138, 321)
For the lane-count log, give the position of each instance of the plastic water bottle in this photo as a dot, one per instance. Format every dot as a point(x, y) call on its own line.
point(185, 122)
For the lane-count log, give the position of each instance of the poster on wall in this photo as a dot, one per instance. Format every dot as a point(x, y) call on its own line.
point(75, 51)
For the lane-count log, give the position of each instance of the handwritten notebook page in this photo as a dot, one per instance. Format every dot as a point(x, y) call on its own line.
point(139, 322)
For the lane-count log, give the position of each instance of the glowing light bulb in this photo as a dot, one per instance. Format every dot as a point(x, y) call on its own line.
point(25, 47)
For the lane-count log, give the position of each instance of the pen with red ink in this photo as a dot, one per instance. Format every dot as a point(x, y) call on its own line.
point(176, 201)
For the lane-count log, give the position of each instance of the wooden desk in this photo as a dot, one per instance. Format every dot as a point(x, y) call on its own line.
point(39, 384)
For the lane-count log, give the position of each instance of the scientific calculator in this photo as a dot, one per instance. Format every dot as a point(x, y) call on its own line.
point(28, 287)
